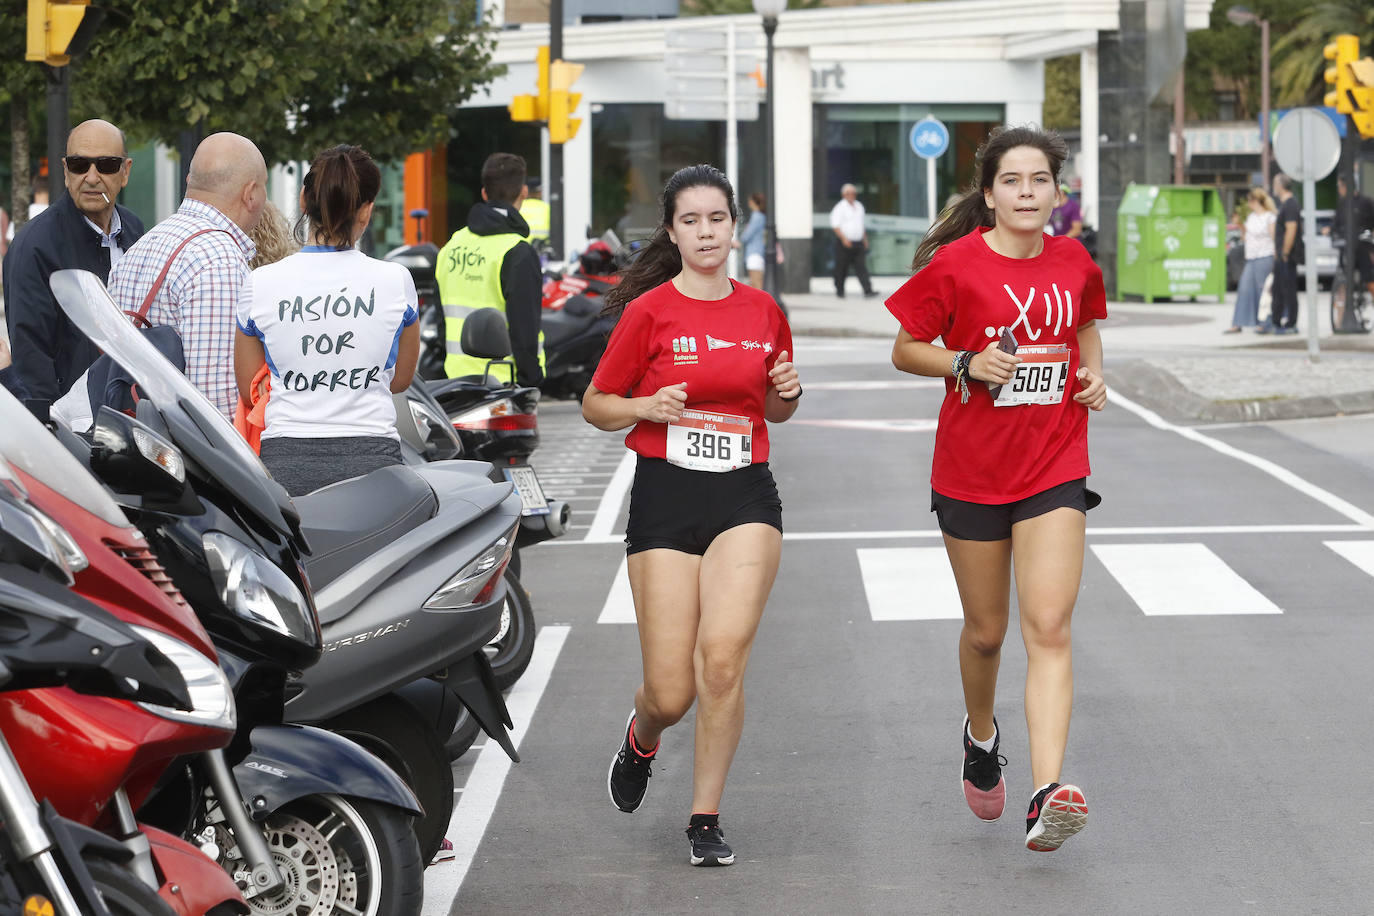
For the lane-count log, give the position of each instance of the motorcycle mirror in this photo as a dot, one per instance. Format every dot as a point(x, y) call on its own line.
point(134, 460)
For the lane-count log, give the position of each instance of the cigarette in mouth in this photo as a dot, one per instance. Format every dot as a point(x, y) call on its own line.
point(106, 196)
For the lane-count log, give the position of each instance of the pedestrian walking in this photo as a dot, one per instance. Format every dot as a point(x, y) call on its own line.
point(751, 238)
point(1011, 449)
point(188, 272)
point(1288, 255)
point(338, 332)
point(1259, 261)
point(696, 364)
point(85, 229)
point(851, 241)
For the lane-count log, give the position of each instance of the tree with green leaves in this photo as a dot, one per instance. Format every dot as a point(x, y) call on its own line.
point(295, 76)
point(21, 83)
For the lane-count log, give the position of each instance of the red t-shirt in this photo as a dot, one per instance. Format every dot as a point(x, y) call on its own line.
point(723, 350)
point(966, 295)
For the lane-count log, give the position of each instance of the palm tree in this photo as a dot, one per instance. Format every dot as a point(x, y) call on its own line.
point(1299, 66)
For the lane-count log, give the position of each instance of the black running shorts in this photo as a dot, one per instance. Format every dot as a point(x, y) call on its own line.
point(982, 522)
point(684, 510)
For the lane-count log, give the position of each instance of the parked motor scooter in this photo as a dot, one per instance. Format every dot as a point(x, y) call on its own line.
point(59, 644)
point(396, 615)
point(102, 782)
point(575, 331)
point(420, 259)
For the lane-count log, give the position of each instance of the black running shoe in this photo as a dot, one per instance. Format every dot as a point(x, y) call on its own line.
point(708, 843)
point(1056, 813)
point(984, 788)
point(629, 774)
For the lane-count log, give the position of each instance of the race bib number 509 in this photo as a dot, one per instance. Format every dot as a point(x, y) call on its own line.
point(1040, 378)
point(704, 441)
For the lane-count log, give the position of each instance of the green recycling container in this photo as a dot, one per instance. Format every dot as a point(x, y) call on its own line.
point(1170, 242)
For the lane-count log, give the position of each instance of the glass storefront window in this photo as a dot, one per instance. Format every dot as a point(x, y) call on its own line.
point(635, 149)
point(868, 146)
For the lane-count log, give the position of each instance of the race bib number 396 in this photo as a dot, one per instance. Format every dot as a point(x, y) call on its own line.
point(704, 441)
point(1041, 377)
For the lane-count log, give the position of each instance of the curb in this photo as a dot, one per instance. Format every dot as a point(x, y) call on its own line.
point(1159, 390)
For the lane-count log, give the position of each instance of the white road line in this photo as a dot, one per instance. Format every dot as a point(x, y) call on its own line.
point(877, 385)
point(882, 426)
point(1157, 531)
point(909, 583)
point(1361, 553)
point(620, 603)
point(1180, 579)
point(609, 510)
point(473, 809)
point(1282, 474)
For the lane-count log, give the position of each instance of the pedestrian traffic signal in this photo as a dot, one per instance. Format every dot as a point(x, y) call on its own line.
point(1345, 50)
point(534, 107)
point(1362, 95)
point(562, 102)
point(58, 30)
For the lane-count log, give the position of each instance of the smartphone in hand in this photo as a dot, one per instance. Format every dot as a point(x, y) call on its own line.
point(1007, 345)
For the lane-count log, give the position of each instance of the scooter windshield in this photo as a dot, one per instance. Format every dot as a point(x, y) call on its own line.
point(29, 446)
point(87, 303)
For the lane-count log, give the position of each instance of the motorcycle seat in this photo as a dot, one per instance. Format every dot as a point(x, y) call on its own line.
point(346, 522)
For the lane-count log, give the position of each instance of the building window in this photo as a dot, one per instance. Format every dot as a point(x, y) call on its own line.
point(1228, 105)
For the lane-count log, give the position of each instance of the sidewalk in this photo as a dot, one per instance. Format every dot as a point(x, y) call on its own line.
point(1170, 356)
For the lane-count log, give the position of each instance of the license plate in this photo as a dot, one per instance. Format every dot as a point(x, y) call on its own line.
point(532, 501)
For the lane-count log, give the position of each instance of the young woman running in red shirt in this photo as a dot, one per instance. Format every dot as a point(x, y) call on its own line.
point(1011, 449)
point(695, 365)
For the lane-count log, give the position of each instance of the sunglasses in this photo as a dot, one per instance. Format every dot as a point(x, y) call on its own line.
point(105, 165)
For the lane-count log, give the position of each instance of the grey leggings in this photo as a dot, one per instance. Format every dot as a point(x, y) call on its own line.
point(304, 465)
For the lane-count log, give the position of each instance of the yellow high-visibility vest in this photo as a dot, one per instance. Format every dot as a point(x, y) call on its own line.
point(469, 278)
point(536, 214)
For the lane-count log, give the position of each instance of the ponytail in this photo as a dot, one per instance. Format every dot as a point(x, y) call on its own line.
point(655, 264)
point(341, 181)
point(968, 212)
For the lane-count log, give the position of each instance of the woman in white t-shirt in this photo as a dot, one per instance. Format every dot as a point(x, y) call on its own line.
point(337, 330)
point(1259, 260)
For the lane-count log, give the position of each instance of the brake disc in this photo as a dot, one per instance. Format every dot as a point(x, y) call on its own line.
point(308, 867)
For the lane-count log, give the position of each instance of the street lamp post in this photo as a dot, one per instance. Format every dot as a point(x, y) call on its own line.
point(1240, 15)
point(770, 10)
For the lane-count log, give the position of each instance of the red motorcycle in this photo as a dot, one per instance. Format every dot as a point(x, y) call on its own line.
point(97, 759)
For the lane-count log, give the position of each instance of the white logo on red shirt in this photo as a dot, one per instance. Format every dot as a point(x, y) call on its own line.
point(714, 344)
point(1060, 310)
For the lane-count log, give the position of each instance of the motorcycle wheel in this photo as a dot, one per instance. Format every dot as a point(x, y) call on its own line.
point(465, 732)
point(123, 892)
point(339, 855)
point(390, 728)
point(512, 648)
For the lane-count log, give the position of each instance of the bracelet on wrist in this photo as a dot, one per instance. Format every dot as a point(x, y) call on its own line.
point(959, 368)
point(793, 397)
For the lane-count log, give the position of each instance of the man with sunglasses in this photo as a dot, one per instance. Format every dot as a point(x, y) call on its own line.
point(83, 229)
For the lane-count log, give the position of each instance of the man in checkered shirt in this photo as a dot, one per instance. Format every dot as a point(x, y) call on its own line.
point(226, 189)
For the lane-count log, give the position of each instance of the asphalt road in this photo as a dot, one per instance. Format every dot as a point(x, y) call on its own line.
point(1221, 727)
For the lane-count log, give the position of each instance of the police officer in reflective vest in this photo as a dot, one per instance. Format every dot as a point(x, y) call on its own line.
point(489, 263)
point(535, 210)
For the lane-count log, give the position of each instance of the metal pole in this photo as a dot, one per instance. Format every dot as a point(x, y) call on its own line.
point(58, 117)
point(1350, 149)
point(555, 176)
point(1264, 103)
point(1179, 151)
point(732, 133)
point(770, 258)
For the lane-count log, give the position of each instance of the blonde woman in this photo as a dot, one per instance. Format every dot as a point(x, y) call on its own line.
point(1259, 260)
point(273, 238)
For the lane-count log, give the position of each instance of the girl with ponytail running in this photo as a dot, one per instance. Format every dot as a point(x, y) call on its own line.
point(696, 365)
point(1015, 311)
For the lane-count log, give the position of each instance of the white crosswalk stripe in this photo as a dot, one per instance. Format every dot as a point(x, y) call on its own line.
point(1181, 579)
point(620, 605)
point(1361, 553)
point(909, 583)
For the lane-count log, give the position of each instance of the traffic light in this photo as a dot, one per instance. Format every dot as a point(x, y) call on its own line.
point(562, 102)
point(534, 107)
point(58, 29)
point(1345, 50)
point(1362, 94)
